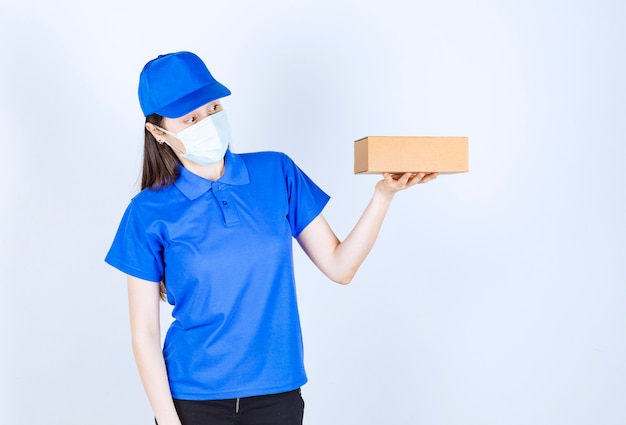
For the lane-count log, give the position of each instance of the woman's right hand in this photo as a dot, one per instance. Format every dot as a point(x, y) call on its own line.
point(145, 324)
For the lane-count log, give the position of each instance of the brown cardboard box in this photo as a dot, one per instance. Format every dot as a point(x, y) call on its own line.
point(377, 154)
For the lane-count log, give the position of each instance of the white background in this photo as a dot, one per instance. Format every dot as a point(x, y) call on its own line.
point(491, 297)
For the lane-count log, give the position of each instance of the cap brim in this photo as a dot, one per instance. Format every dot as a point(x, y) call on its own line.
point(194, 100)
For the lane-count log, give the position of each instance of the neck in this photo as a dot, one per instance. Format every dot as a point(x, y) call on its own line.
point(210, 172)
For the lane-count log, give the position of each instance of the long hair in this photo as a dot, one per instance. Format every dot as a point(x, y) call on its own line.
point(160, 163)
point(160, 168)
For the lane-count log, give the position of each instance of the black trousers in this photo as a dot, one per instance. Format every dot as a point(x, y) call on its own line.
point(274, 409)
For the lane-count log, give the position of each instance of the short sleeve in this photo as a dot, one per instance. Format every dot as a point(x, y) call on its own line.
point(135, 251)
point(306, 199)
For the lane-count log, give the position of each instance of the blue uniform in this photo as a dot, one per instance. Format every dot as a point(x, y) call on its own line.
point(224, 249)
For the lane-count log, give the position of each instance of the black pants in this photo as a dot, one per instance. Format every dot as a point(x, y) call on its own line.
point(275, 409)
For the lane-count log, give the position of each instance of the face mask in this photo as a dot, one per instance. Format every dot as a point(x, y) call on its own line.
point(206, 141)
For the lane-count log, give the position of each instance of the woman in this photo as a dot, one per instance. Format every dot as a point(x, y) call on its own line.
point(211, 233)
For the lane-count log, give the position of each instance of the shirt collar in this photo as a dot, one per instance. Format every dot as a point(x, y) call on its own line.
point(193, 186)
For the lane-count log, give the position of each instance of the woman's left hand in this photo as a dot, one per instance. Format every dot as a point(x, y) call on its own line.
point(392, 183)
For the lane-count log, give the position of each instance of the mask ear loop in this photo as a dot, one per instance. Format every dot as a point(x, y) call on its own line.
point(165, 131)
point(161, 141)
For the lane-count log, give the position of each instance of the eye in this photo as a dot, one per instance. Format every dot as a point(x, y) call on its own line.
point(190, 120)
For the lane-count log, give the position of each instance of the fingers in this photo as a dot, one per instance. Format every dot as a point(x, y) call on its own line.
point(396, 182)
point(405, 177)
point(409, 179)
point(428, 177)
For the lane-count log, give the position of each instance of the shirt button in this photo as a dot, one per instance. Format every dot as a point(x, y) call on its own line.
point(224, 202)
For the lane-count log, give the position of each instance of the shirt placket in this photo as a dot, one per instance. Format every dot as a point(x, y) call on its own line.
point(227, 205)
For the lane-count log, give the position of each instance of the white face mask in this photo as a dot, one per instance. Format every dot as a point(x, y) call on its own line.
point(206, 141)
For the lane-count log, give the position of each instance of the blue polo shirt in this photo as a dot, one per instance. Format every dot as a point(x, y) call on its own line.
point(224, 249)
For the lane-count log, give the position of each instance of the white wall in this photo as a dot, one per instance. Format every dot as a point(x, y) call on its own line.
point(492, 297)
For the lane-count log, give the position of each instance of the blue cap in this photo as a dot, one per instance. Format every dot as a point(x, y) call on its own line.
point(175, 84)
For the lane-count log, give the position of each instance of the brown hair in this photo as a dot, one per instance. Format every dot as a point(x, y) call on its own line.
point(160, 163)
point(160, 167)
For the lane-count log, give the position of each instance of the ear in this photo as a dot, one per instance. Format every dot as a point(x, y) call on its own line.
point(158, 134)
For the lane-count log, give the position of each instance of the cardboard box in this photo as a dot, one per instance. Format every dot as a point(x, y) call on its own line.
point(378, 154)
